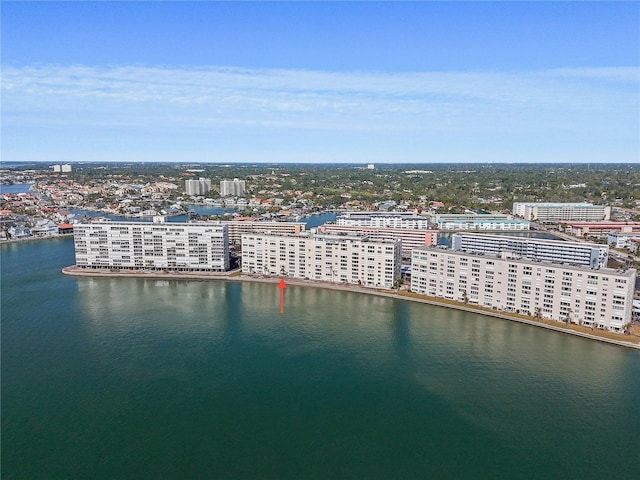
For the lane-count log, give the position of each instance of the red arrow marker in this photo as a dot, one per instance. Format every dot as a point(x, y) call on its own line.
point(282, 286)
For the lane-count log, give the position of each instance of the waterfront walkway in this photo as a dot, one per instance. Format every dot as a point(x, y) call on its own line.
point(400, 294)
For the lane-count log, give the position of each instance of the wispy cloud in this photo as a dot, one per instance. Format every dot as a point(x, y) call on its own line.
point(432, 103)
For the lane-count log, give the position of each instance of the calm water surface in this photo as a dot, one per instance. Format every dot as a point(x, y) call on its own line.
point(131, 378)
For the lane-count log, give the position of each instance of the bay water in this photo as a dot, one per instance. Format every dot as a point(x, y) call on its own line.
point(134, 378)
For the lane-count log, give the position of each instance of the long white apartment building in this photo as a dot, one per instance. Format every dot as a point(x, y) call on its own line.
point(410, 237)
point(600, 298)
point(588, 254)
point(330, 258)
point(555, 212)
point(479, 222)
point(383, 219)
point(193, 247)
point(237, 228)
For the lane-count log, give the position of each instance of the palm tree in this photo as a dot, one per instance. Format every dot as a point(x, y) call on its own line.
point(538, 314)
point(567, 318)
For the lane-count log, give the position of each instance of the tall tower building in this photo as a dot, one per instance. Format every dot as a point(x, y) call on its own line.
point(202, 186)
point(232, 188)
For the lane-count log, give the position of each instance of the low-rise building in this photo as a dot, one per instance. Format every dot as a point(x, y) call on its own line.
point(352, 259)
point(595, 229)
point(588, 254)
point(600, 298)
point(197, 247)
point(621, 240)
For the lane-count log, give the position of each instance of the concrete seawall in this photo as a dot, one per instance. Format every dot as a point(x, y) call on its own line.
point(237, 276)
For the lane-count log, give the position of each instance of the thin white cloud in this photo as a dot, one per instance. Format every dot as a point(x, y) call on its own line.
point(419, 107)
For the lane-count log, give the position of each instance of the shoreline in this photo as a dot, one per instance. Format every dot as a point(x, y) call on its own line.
point(33, 239)
point(405, 295)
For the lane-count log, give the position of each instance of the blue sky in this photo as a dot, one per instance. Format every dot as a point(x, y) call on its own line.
point(321, 82)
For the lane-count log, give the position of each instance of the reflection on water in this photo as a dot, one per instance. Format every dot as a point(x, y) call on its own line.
point(197, 379)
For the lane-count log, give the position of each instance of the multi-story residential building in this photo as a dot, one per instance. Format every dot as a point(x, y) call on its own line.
point(383, 219)
point(202, 186)
point(599, 298)
point(479, 222)
point(622, 240)
point(410, 237)
point(239, 227)
point(555, 212)
point(193, 247)
point(331, 258)
point(589, 254)
point(232, 188)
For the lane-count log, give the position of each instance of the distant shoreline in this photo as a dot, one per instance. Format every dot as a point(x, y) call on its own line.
point(32, 239)
point(237, 276)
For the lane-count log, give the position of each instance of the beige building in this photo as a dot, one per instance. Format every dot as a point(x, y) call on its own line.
point(237, 228)
point(331, 258)
point(593, 297)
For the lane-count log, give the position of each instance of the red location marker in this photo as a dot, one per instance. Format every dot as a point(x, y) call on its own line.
point(282, 286)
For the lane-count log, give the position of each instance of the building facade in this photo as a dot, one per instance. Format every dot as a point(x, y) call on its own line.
point(192, 247)
point(599, 228)
point(588, 254)
point(202, 186)
point(410, 237)
point(555, 212)
point(599, 298)
point(383, 220)
point(232, 188)
point(480, 222)
point(622, 240)
point(237, 228)
point(330, 258)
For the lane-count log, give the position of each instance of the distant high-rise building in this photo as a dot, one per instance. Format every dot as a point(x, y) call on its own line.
point(232, 188)
point(202, 186)
point(66, 168)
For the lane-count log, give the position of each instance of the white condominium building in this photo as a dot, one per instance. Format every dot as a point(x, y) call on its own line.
point(622, 240)
point(600, 298)
point(480, 222)
point(589, 254)
point(555, 212)
point(197, 247)
point(383, 219)
point(237, 228)
point(411, 237)
point(232, 188)
point(330, 258)
point(202, 186)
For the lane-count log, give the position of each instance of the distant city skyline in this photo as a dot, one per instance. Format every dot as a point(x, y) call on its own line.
point(309, 82)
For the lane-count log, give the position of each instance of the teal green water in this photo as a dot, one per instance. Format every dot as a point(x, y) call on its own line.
point(129, 378)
